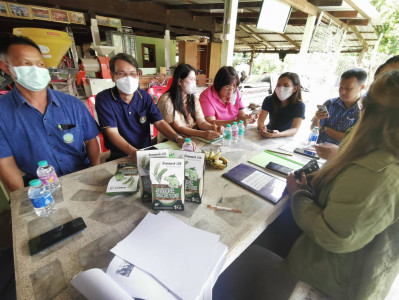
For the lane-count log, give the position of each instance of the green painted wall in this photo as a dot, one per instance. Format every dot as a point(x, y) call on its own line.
point(159, 50)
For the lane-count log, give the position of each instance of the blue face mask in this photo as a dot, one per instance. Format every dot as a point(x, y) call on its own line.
point(31, 77)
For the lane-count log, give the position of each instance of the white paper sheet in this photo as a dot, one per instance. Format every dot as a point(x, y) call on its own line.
point(177, 255)
point(136, 282)
point(95, 285)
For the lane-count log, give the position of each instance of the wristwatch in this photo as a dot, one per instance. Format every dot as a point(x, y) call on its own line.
point(323, 129)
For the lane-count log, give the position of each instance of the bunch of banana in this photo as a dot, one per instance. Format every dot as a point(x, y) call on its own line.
point(215, 159)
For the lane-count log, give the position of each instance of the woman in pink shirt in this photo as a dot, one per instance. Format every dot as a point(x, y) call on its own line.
point(221, 102)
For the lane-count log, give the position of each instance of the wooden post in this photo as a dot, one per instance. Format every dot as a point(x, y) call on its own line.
point(251, 62)
point(229, 29)
point(307, 35)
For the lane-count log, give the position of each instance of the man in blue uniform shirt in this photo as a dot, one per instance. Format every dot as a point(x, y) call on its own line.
point(37, 123)
point(125, 112)
point(343, 112)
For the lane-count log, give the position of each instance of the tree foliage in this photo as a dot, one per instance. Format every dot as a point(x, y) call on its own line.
point(389, 10)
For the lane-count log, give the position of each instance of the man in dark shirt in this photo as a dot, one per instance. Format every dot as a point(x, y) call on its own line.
point(125, 112)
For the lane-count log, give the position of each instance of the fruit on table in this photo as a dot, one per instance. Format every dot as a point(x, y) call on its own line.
point(215, 160)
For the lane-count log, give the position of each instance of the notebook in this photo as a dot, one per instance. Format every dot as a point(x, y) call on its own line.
point(258, 182)
point(263, 158)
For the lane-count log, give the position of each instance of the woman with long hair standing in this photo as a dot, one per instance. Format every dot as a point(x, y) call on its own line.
point(181, 109)
point(284, 107)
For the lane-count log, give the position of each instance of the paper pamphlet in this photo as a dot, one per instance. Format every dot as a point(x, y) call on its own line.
point(206, 141)
point(194, 169)
point(125, 180)
point(259, 182)
point(168, 145)
point(183, 258)
point(143, 164)
point(263, 158)
point(121, 281)
point(167, 183)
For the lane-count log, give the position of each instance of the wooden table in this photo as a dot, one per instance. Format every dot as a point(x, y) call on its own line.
point(46, 275)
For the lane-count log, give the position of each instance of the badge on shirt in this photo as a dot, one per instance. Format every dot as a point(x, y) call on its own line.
point(143, 119)
point(68, 138)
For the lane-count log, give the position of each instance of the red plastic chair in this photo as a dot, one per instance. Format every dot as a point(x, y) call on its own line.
point(156, 92)
point(91, 101)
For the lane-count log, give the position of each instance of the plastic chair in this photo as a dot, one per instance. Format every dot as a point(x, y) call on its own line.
point(156, 92)
point(91, 101)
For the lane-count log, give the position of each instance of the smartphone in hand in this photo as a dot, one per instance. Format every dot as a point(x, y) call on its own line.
point(322, 108)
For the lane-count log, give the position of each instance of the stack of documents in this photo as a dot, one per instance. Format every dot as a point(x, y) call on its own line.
point(163, 258)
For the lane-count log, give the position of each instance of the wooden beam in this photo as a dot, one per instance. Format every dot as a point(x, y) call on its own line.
point(338, 14)
point(212, 6)
point(291, 41)
point(358, 22)
point(250, 31)
point(326, 2)
point(302, 5)
point(341, 14)
point(141, 11)
point(244, 43)
point(220, 15)
point(357, 8)
point(359, 36)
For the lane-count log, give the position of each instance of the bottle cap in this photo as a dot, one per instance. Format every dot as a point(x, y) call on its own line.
point(187, 140)
point(34, 182)
point(42, 163)
point(234, 123)
point(228, 125)
point(317, 128)
point(241, 122)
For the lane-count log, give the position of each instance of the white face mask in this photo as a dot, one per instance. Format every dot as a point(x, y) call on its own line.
point(284, 92)
point(189, 88)
point(127, 85)
point(233, 98)
point(31, 77)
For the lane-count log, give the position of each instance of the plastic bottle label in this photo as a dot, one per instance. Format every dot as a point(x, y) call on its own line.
point(42, 201)
point(313, 137)
point(241, 131)
point(235, 133)
point(49, 179)
point(227, 135)
point(187, 147)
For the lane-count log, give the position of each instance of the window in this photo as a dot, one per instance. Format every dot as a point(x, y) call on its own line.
point(148, 53)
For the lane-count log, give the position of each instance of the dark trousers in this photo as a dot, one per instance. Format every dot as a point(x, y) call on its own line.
point(257, 274)
point(280, 235)
point(7, 278)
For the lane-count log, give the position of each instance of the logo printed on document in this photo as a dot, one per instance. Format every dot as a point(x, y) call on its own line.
point(68, 138)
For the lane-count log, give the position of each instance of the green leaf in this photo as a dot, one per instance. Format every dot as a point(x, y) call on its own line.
point(156, 168)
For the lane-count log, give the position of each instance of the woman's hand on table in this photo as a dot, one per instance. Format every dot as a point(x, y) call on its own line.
point(265, 133)
point(294, 185)
point(210, 135)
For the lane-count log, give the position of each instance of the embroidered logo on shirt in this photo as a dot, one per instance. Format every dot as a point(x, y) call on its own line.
point(68, 138)
point(143, 119)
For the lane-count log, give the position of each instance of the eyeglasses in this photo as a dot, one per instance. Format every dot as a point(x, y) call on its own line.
point(230, 88)
point(121, 74)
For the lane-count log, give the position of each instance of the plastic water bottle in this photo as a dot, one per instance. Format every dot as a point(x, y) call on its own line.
point(227, 135)
point(234, 131)
point(187, 145)
point(313, 136)
point(241, 130)
point(41, 198)
point(47, 176)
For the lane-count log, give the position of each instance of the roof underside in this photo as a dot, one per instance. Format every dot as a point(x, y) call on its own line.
point(336, 20)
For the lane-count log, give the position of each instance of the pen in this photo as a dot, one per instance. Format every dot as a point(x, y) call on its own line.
point(283, 153)
point(224, 208)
